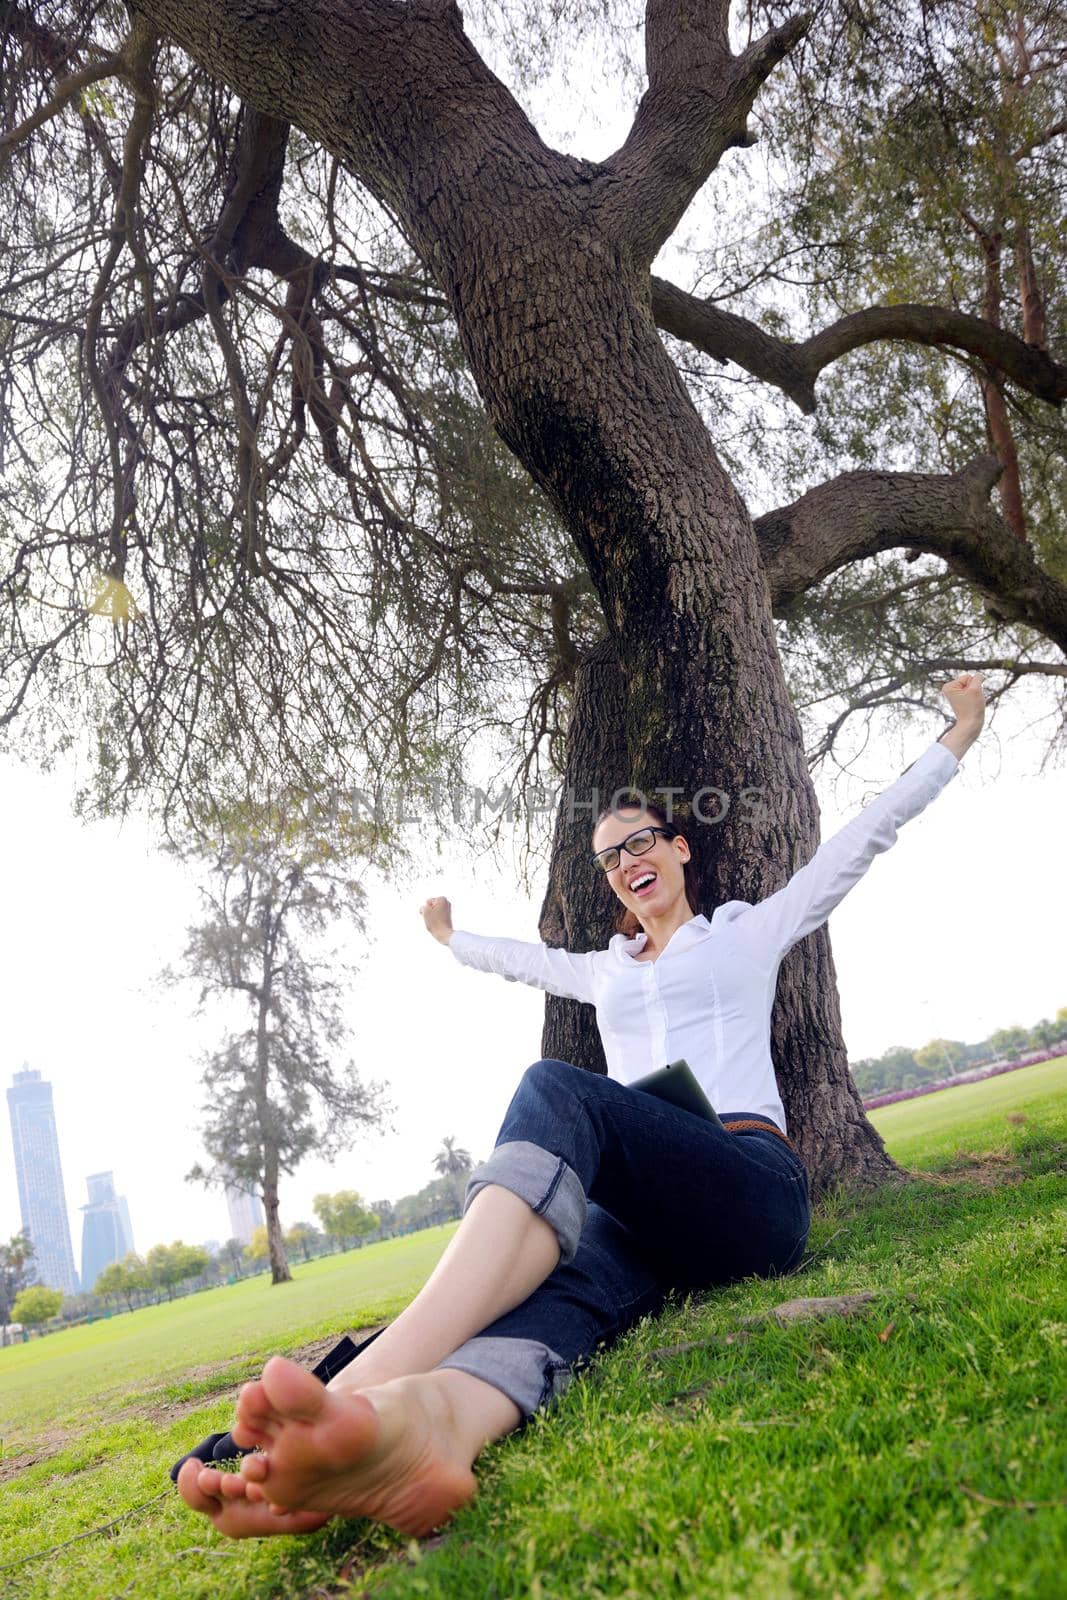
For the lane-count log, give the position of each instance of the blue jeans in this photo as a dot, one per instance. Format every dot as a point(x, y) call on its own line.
point(644, 1199)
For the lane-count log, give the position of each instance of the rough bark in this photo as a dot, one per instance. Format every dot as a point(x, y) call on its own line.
point(578, 908)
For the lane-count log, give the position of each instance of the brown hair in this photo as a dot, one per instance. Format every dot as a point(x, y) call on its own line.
point(627, 922)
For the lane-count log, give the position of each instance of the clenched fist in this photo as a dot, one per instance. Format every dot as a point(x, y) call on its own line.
point(964, 694)
point(437, 915)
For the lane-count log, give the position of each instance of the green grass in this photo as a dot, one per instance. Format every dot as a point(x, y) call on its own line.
point(814, 1460)
point(926, 1131)
point(157, 1353)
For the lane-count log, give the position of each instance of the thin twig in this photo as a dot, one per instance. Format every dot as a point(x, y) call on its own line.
point(88, 1534)
point(1012, 1505)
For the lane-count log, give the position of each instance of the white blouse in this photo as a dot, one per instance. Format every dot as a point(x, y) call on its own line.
point(708, 995)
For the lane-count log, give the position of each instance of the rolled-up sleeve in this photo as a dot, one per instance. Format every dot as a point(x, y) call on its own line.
point(540, 965)
point(806, 901)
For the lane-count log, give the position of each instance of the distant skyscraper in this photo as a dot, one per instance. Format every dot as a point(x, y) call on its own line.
point(40, 1180)
point(246, 1213)
point(106, 1232)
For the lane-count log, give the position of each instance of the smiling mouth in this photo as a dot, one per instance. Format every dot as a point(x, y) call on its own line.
point(643, 884)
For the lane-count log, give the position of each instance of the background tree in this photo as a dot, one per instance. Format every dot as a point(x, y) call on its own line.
point(126, 1279)
point(1005, 1041)
point(886, 1071)
point(1047, 1032)
point(36, 1305)
point(16, 1268)
point(344, 1216)
point(258, 1247)
point(433, 1204)
point(275, 888)
point(941, 1058)
point(454, 1164)
point(303, 1238)
point(168, 1265)
point(245, 542)
point(233, 1250)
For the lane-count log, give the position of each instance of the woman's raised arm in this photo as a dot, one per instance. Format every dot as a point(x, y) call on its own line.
point(540, 965)
point(778, 922)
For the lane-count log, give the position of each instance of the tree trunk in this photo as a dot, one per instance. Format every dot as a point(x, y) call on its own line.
point(998, 422)
point(822, 1104)
point(279, 1265)
point(578, 911)
point(1035, 318)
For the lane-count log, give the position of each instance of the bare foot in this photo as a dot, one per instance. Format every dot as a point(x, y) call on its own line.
point(393, 1452)
point(221, 1497)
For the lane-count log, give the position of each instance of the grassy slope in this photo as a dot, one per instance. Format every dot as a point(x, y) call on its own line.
point(814, 1460)
point(921, 1131)
point(153, 1355)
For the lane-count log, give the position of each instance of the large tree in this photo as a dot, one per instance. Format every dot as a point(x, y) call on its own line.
point(220, 174)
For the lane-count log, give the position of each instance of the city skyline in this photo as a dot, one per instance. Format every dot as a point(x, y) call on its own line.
point(39, 1175)
point(107, 1233)
point(246, 1213)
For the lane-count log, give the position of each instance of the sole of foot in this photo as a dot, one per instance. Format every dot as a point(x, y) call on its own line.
point(390, 1453)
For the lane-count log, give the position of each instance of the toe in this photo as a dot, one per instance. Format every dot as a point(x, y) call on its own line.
point(292, 1391)
point(204, 1489)
point(189, 1487)
point(257, 1420)
point(231, 1486)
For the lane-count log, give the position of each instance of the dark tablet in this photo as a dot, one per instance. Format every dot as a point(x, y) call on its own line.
point(677, 1084)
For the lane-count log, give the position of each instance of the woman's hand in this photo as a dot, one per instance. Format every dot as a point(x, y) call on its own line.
point(964, 694)
point(437, 915)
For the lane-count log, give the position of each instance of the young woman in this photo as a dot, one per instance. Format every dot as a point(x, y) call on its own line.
point(596, 1201)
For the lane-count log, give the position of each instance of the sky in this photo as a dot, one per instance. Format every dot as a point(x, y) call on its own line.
point(956, 931)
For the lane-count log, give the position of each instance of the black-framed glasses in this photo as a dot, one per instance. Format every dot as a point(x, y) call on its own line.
point(637, 844)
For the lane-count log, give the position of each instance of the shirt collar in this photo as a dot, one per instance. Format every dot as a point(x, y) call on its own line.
point(688, 933)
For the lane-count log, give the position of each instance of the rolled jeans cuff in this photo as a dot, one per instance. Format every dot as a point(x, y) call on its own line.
point(526, 1370)
point(550, 1187)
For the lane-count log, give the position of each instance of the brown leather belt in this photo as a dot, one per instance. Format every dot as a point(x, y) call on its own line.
point(746, 1124)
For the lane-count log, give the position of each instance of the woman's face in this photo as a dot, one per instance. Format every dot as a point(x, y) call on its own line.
point(661, 866)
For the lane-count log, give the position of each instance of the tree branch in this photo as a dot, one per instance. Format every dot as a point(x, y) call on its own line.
point(110, 67)
point(695, 108)
point(138, 56)
point(727, 337)
point(1039, 140)
point(794, 367)
point(1031, 369)
point(860, 513)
